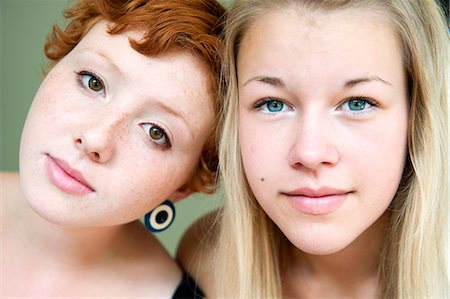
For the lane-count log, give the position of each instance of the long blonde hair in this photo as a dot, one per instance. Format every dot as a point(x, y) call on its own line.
point(414, 261)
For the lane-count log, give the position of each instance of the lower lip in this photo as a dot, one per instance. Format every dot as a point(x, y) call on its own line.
point(317, 205)
point(63, 180)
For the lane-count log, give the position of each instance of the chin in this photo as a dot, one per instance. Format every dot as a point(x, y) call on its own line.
point(325, 245)
point(47, 209)
point(47, 213)
point(319, 249)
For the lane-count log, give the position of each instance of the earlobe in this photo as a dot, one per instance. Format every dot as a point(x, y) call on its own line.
point(179, 195)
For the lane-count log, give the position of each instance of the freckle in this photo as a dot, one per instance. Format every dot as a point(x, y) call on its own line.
point(262, 179)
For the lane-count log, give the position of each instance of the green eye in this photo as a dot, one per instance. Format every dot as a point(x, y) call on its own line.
point(91, 82)
point(156, 133)
point(95, 84)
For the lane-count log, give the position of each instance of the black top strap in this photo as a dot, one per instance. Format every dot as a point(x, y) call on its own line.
point(188, 289)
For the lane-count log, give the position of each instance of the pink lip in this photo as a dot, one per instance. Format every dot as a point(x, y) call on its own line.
point(324, 200)
point(66, 178)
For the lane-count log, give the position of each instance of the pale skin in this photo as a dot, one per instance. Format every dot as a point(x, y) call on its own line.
point(323, 115)
point(95, 111)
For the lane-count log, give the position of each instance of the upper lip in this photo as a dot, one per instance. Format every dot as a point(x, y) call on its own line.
point(76, 174)
point(316, 192)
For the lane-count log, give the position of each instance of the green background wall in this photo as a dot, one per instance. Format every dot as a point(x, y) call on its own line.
point(24, 26)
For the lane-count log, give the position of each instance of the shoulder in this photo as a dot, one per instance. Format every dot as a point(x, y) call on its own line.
point(196, 250)
point(9, 178)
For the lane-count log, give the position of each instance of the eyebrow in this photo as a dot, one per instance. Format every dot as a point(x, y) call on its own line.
point(106, 58)
point(356, 81)
point(266, 79)
point(348, 84)
point(175, 113)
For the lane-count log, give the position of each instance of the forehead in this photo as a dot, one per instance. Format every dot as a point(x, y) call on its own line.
point(304, 24)
point(340, 38)
point(170, 51)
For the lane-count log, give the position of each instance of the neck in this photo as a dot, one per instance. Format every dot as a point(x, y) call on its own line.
point(75, 247)
point(349, 270)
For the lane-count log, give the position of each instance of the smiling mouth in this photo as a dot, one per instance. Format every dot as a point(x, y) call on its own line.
point(66, 178)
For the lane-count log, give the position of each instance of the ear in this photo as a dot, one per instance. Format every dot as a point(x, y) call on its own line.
point(179, 195)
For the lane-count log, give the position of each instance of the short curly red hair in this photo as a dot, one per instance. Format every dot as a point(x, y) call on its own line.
point(194, 25)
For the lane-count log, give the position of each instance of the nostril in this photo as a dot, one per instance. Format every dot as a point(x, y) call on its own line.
point(96, 155)
point(78, 140)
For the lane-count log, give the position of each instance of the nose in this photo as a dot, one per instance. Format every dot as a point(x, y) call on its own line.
point(98, 140)
point(314, 144)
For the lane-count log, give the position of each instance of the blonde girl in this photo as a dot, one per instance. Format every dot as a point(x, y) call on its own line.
point(334, 153)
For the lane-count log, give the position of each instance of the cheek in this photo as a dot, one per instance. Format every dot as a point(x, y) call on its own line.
point(136, 188)
point(51, 103)
point(262, 153)
point(36, 128)
point(150, 176)
point(252, 149)
point(381, 158)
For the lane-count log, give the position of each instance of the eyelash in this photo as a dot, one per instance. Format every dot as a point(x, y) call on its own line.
point(83, 73)
point(371, 101)
point(166, 144)
point(259, 104)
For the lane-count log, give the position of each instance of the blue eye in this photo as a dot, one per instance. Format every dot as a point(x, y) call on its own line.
point(357, 104)
point(275, 106)
point(91, 82)
point(271, 105)
point(157, 135)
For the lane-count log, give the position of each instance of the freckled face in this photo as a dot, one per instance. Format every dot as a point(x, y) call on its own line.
point(322, 122)
point(112, 133)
